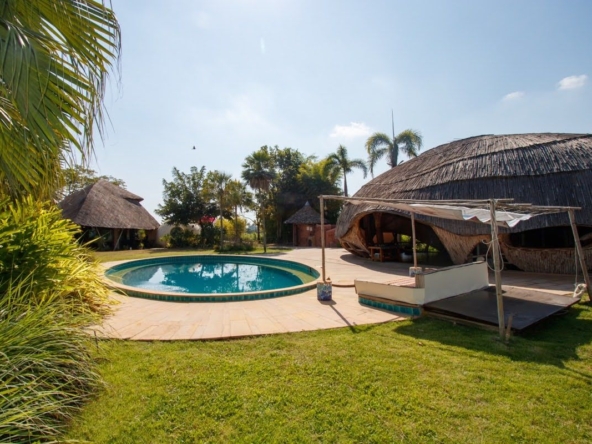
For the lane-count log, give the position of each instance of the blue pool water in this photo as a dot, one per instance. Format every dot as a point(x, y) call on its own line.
point(212, 278)
point(195, 277)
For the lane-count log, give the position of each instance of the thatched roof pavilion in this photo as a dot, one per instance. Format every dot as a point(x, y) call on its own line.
point(542, 169)
point(104, 205)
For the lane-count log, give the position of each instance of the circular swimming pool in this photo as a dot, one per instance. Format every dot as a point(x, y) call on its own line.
point(211, 278)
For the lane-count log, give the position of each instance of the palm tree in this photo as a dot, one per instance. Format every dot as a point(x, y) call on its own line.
point(258, 172)
point(216, 186)
point(379, 144)
point(54, 64)
point(341, 161)
point(238, 197)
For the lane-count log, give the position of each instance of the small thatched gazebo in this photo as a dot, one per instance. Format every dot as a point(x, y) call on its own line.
point(110, 212)
point(542, 169)
point(307, 228)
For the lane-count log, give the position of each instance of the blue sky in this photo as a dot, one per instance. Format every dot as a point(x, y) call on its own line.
point(229, 76)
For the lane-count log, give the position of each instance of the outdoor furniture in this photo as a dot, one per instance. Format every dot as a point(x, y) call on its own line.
point(384, 252)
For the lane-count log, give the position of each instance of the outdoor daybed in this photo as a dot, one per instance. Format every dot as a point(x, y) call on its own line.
point(427, 286)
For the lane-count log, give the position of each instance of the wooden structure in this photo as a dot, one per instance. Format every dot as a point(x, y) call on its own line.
point(544, 169)
point(307, 228)
point(494, 212)
point(111, 213)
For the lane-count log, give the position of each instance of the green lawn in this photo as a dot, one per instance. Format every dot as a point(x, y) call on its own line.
point(123, 255)
point(413, 381)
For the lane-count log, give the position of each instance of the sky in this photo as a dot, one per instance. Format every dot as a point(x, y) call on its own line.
point(229, 76)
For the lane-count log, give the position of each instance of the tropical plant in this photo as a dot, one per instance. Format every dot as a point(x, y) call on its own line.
point(54, 64)
point(37, 243)
point(341, 161)
point(47, 370)
point(216, 188)
point(259, 172)
point(380, 145)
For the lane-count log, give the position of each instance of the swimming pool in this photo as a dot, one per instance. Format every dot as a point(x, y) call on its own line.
point(220, 278)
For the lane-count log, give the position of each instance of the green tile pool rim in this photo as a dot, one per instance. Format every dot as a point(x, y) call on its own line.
point(305, 272)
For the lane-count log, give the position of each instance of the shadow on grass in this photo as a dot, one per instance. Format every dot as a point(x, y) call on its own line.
point(354, 328)
point(553, 341)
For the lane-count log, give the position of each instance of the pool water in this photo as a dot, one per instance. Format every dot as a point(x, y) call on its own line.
point(215, 278)
point(198, 277)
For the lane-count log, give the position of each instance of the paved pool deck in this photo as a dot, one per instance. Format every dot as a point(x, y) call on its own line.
point(144, 319)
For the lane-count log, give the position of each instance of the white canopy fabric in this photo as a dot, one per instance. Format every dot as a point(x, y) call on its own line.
point(503, 218)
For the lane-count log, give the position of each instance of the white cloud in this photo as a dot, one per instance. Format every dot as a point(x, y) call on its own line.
point(572, 82)
point(354, 129)
point(513, 96)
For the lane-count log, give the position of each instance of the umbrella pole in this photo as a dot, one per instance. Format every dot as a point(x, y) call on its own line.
point(413, 240)
point(322, 237)
point(497, 269)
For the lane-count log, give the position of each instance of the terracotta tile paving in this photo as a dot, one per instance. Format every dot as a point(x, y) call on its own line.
point(144, 319)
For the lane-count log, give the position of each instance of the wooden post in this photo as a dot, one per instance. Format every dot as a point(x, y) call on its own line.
point(574, 229)
point(378, 226)
point(497, 270)
point(322, 238)
point(413, 240)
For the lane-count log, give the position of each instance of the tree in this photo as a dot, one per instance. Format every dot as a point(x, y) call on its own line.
point(216, 188)
point(259, 172)
point(341, 161)
point(184, 202)
point(379, 145)
point(238, 197)
point(78, 177)
point(54, 64)
point(316, 178)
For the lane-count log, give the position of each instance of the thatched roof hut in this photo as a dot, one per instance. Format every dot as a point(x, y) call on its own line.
point(104, 205)
point(305, 215)
point(542, 169)
point(307, 228)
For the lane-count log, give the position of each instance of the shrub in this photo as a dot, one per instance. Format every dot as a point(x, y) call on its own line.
point(46, 370)
point(37, 243)
point(182, 237)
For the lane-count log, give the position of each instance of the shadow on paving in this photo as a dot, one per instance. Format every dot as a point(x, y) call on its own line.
point(553, 341)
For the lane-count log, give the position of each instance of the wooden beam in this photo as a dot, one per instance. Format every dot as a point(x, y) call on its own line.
point(576, 235)
point(323, 238)
point(497, 270)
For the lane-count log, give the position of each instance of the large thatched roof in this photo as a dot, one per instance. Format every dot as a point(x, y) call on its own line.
point(543, 169)
point(305, 215)
point(106, 205)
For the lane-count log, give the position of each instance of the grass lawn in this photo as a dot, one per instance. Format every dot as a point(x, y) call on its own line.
point(124, 255)
point(414, 381)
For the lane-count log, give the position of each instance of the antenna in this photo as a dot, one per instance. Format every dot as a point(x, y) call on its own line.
point(393, 122)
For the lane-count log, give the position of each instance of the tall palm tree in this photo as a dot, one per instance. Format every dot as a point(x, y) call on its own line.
point(258, 172)
point(216, 186)
point(54, 64)
point(379, 145)
point(341, 161)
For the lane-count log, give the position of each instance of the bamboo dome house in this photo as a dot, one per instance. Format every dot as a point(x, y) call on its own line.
point(541, 169)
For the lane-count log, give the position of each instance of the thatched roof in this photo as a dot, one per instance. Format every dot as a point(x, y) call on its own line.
point(543, 169)
point(106, 205)
point(305, 215)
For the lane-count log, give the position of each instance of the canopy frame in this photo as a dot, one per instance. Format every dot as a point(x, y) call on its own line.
point(496, 208)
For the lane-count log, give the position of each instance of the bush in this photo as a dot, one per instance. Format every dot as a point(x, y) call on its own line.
point(46, 370)
point(243, 246)
point(49, 290)
point(36, 243)
point(181, 238)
